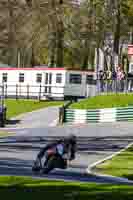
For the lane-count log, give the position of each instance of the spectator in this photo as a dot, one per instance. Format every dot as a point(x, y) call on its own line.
point(108, 80)
point(123, 80)
point(101, 80)
point(114, 78)
point(120, 78)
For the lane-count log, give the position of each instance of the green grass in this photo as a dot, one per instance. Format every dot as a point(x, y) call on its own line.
point(22, 188)
point(120, 165)
point(16, 107)
point(104, 101)
point(5, 133)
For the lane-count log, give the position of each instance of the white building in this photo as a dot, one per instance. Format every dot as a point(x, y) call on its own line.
point(54, 83)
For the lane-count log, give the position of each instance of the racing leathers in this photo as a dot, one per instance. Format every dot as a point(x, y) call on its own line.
point(64, 150)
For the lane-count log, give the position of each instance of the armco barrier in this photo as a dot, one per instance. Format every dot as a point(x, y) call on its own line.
point(98, 115)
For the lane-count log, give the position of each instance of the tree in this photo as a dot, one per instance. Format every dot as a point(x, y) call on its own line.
point(130, 18)
point(63, 32)
point(12, 13)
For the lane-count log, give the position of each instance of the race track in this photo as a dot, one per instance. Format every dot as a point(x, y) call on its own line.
point(18, 152)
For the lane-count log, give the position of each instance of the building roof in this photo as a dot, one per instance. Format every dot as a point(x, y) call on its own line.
point(42, 68)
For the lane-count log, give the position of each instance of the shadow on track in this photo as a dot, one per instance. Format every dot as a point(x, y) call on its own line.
point(20, 167)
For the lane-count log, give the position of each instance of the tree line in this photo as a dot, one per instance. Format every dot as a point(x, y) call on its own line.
point(65, 32)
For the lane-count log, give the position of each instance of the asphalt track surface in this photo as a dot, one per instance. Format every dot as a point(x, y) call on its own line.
point(95, 142)
point(18, 153)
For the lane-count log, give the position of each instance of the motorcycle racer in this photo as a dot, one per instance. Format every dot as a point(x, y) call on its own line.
point(63, 149)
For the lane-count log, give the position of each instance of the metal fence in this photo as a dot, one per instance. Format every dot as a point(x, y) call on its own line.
point(30, 91)
point(38, 91)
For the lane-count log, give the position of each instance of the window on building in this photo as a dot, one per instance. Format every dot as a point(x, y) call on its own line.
point(4, 77)
point(58, 78)
point(90, 80)
point(46, 78)
point(21, 77)
point(38, 78)
point(75, 78)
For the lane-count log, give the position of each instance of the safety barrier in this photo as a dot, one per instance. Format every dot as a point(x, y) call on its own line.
point(98, 115)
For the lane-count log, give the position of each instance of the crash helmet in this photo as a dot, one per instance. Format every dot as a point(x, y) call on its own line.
point(71, 138)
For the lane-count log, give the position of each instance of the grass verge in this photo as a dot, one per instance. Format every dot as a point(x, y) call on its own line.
point(120, 165)
point(16, 107)
point(26, 188)
point(104, 101)
point(5, 133)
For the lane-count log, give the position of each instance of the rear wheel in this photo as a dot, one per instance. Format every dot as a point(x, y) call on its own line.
point(36, 169)
point(51, 164)
point(36, 166)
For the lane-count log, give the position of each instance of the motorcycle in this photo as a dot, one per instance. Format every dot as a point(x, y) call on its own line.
point(52, 161)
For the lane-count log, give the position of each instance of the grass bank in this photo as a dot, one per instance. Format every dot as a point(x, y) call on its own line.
point(16, 107)
point(26, 188)
point(104, 101)
point(120, 165)
point(5, 133)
